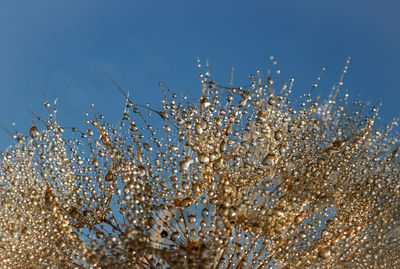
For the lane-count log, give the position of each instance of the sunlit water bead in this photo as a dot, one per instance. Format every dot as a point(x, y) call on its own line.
point(269, 159)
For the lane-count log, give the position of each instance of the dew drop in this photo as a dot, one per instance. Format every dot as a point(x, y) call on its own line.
point(33, 132)
point(184, 165)
point(203, 158)
point(278, 135)
point(222, 146)
point(164, 233)
point(324, 253)
point(198, 129)
point(109, 176)
point(272, 101)
point(269, 159)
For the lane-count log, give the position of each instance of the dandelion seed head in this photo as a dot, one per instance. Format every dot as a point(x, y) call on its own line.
point(239, 178)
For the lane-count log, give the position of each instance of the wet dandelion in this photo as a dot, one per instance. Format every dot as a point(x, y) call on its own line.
point(239, 179)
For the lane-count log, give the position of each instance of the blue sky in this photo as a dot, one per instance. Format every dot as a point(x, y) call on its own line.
point(66, 47)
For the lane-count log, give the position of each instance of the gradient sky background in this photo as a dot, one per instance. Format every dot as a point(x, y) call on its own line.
point(67, 46)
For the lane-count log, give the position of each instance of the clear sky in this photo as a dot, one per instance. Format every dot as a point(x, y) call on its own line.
point(67, 46)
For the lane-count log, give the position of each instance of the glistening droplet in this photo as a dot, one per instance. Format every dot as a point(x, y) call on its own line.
point(269, 159)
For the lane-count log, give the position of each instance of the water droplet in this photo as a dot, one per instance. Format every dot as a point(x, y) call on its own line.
point(147, 147)
point(95, 163)
point(272, 101)
point(205, 102)
point(269, 159)
point(324, 253)
point(174, 236)
point(204, 213)
point(185, 164)
point(33, 132)
point(141, 170)
point(299, 219)
point(196, 188)
point(89, 132)
point(198, 129)
point(222, 146)
point(192, 218)
point(164, 233)
point(203, 158)
point(109, 176)
point(282, 149)
point(278, 135)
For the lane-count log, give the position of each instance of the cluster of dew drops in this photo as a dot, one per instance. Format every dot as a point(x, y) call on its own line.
point(240, 178)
